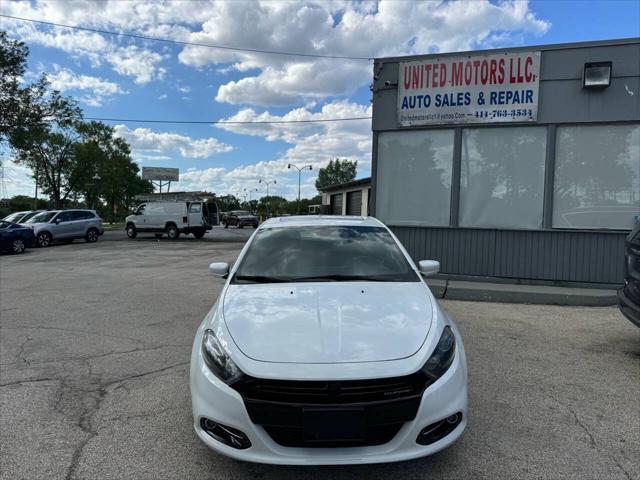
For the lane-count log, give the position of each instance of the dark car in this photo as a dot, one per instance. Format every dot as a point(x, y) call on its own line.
point(15, 238)
point(629, 294)
point(240, 218)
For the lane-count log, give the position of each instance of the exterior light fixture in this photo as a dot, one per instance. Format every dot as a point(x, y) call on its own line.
point(596, 75)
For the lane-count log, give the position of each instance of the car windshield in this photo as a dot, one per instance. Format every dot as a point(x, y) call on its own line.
point(13, 217)
point(42, 217)
point(324, 253)
point(29, 215)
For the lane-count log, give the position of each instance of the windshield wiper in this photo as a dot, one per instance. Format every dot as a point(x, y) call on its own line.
point(342, 278)
point(259, 279)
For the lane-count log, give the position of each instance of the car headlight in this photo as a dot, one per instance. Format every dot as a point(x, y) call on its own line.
point(442, 356)
point(218, 360)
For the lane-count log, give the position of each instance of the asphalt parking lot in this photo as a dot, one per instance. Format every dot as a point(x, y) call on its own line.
point(94, 352)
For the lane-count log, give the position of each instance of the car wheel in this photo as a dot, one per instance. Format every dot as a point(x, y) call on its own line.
point(17, 246)
point(43, 239)
point(131, 231)
point(92, 235)
point(158, 235)
point(255, 226)
point(239, 225)
point(172, 232)
point(198, 234)
point(225, 225)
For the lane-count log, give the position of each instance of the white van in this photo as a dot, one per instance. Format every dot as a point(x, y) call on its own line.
point(172, 218)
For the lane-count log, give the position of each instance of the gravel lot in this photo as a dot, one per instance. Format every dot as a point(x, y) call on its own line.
point(95, 343)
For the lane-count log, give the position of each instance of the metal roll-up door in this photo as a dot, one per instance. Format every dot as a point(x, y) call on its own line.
point(336, 204)
point(354, 202)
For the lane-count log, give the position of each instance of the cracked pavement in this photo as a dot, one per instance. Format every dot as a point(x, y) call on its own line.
point(95, 343)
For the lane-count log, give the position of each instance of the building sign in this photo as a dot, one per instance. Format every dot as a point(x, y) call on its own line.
point(160, 174)
point(469, 89)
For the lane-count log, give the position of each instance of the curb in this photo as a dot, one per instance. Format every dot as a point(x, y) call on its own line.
point(515, 293)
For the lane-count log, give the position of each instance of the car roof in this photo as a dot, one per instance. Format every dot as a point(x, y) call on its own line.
point(321, 220)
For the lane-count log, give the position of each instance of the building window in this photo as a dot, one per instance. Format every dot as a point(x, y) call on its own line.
point(502, 177)
point(597, 176)
point(413, 185)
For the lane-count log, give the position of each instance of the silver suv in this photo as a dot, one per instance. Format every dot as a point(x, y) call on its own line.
point(65, 226)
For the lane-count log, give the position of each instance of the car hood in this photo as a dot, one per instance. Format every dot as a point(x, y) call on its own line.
point(331, 322)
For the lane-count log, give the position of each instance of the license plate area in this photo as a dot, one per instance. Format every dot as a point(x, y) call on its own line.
point(336, 425)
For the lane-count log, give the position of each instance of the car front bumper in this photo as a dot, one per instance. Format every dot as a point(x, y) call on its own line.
point(629, 307)
point(213, 399)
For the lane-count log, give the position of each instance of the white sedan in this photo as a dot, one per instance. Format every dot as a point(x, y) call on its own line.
point(326, 346)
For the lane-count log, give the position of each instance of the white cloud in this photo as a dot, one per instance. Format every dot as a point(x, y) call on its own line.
point(339, 27)
point(97, 89)
point(310, 144)
point(17, 179)
point(145, 144)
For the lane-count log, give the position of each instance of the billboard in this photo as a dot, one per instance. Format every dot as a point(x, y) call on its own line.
point(160, 174)
point(492, 88)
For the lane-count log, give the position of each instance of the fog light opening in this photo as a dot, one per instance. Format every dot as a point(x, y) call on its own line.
point(454, 419)
point(228, 435)
point(438, 430)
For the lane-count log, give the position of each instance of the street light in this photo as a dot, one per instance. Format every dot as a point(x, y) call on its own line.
point(299, 174)
point(249, 191)
point(267, 183)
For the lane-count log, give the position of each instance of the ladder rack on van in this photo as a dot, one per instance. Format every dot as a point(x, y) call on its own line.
point(175, 197)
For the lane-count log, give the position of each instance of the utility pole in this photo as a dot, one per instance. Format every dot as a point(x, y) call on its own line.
point(306, 167)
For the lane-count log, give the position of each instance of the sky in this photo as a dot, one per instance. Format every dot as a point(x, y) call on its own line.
point(127, 78)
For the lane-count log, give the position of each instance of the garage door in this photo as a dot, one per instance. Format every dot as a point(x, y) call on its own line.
point(354, 203)
point(336, 204)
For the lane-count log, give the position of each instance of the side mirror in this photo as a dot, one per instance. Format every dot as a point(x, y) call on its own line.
point(57, 221)
point(428, 267)
point(219, 269)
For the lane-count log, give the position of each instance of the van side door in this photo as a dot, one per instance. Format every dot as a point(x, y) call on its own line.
point(195, 214)
point(139, 219)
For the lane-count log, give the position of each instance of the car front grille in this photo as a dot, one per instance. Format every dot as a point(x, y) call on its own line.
point(332, 413)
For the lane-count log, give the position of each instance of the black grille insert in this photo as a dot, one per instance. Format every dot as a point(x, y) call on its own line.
point(332, 413)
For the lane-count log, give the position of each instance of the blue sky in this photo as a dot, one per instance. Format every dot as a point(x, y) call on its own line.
point(127, 78)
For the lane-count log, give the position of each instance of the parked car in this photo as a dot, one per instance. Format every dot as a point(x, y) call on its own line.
point(326, 346)
point(240, 218)
point(21, 217)
point(65, 226)
point(172, 218)
point(15, 238)
point(629, 294)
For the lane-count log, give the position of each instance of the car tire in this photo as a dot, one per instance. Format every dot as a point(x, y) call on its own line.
point(131, 231)
point(92, 235)
point(225, 225)
point(198, 234)
point(172, 232)
point(255, 226)
point(43, 239)
point(18, 246)
point(239, 225)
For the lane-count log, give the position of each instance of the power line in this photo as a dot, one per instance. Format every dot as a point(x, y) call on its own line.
point(225, 122)
point(180, 42)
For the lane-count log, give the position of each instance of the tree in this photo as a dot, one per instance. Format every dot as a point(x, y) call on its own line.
point(22, 108)
point(48, 149)
point(104, 169)
point(336, 172)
